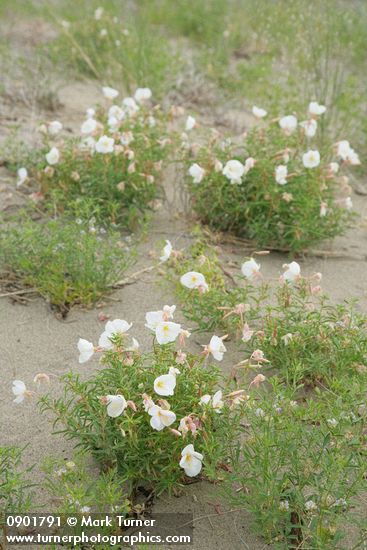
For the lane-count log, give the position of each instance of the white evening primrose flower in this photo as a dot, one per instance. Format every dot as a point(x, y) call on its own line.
point(343, 149)
point(310, 506)
point(161, 418)
point(22, 174)
point(116, 404)
point(190, 123)
point(334, 167)
point(193, 279)
point(348, 203)
point(53, 156)
point(311, 159)
point(116, 112)
point(19, 390)
point(118, 327)
point(216, 348)
point(191, 461)
point(88, 126)
point(142, 94)
point(281, 173)
point(315, 109)
point(309, 127)
point(258, 112)
point(167, 332)
point(130, 106)
point(217, 401)
point(196, 172)
point(167, 251)
point(249, 163)
point(54, 127)
point(353, 158)
point(205, 399)
point(288, 124)
point(165, 384)
point(105, 145)
point(98, 14)
point(250, 268)
point(90, 112)
point(109, 93)
point(86, 350)
point(292, 273)
point(153, 318)
point(234, 170)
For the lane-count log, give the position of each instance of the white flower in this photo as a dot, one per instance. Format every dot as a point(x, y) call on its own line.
point(54, 127)
point(19, 390)
point(249, 163)
point(353, 158)
point(113, 123)
point(116, 404)
point(348, 203)
point(116, 112)
point(247, 333)
point(310, 506)
point(130, 106)
point(216, 348)
point(88, 126)
point(309, 127)
point(332, 422)
point(311, 159)
point(217, 401)
point(347, 153)
point(153, 318)
point(142, 94)
point(167, 332)
point(90, 112)
point(334, 167)
point(288, 124)
point(109, 93)
point(160, 417)
point(53, 156)
point(98, 14)
point(205, 399)
point(165, 384)
point(193, 279)
point(284, 505)
point(292, 272)
point(105, 145)
point(260, 413)
point(281, 173)
point(316, 109)
point(196, 172)
point(86, 350)
point(22, 174)
point(118, 327)
point(191, 461)
point(167, 251)
point(88, 143)
point(234, 170)
point(250, 268)
point(126, 138)
point(190, 123)
point(258, 112)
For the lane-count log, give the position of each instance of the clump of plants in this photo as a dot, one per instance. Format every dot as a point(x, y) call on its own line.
point(111, 170)
point(300, 466)
point(273, 185)
point(15, 485)
point(158, 418)
point(115, 44)
point(70, 483)
point(214, 300)
point(290, 325)
point(66, 261)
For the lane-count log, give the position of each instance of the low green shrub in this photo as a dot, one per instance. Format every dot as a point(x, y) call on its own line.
point(66, 261)
point(272, 185)
point(300, 466)
point(143, 413)
point(15, 485)
point(112, 170)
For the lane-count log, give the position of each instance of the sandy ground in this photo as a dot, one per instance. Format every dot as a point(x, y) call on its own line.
point(33, 340)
